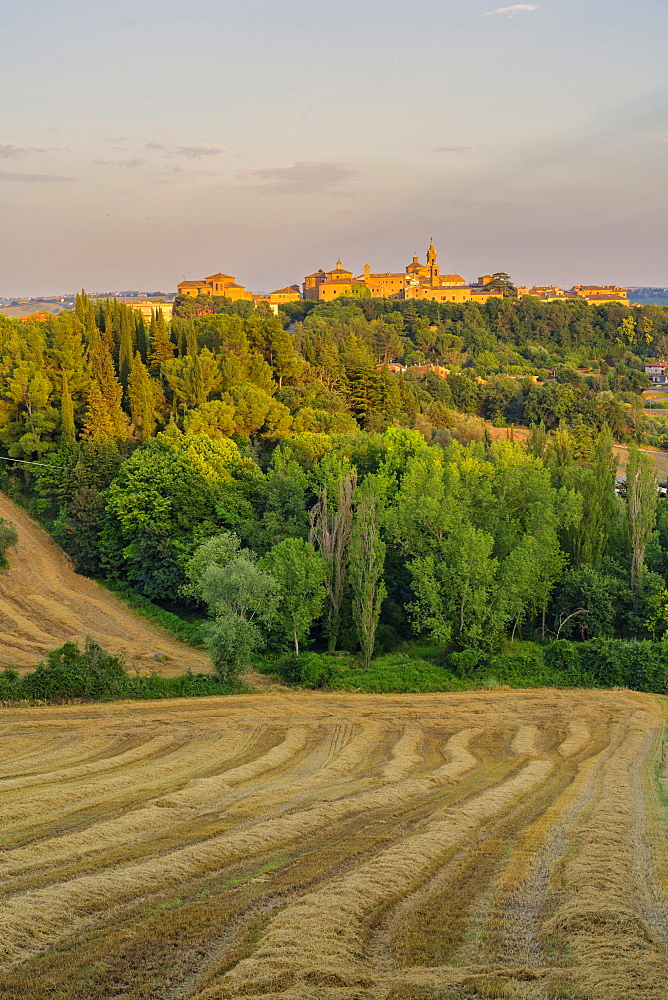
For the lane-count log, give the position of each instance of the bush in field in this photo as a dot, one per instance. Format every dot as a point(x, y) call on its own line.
point(311, 670)
point(68, 674)
point(639, 665)
point(230, 641)
point(8, 538)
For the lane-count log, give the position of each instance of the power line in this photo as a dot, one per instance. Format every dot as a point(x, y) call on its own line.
point(24, 461)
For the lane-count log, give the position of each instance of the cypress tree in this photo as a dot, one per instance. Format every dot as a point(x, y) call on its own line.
point(141, 395)
point(67, 428)
point(97, 424)
point(84, 311)
point(162, 348)
point(126, 345)
point(141, 337)
point(191, 340)
point(105, 417)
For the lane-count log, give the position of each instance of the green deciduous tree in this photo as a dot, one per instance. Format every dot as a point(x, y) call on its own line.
point(300, 573)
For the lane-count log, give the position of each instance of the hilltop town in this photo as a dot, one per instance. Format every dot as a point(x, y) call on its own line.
point(416, 281)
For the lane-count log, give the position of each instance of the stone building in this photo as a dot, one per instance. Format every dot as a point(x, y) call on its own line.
point(416, 281)
point(215, 284)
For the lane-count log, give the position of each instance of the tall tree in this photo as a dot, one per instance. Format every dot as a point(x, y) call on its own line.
point(367, 564)
point(162, 348)
point(300, 573)
point(641, 498)
point(105, 417)
point(125, 344)
point(331, 527)
point(67, 428)
point(142, 399)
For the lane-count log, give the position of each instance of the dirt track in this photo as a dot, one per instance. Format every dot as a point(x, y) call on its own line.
point(44, 603)
point(496, 844)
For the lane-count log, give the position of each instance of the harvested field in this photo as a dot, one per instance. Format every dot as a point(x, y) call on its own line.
point(44, 603)
point(341, 847)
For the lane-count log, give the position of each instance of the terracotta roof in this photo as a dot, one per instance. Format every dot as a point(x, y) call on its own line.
point(191, 284)
point(219, 276)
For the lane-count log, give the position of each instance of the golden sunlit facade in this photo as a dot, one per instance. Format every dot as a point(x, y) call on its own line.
point(416, 281)
point(216, 284)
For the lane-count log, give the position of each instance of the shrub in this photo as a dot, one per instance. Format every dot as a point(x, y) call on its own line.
point(68, 674)
point(311, 670)
point(230, 641)
point(464, 662)
point(8, 538)
point(640, 665)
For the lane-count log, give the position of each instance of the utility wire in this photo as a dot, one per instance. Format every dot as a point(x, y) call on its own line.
point(24, 461)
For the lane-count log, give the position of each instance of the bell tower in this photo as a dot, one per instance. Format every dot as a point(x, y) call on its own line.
point(432, 264)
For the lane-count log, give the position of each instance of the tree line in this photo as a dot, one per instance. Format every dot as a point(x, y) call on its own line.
point(271, 472)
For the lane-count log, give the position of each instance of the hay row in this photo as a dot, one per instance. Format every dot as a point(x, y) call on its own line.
point(39, 751)
point(522, 891)
point(524, 743)
point(163, 813)
point(405, 755)
point(183, 761)
point(151, 748)
point(578, 737)
point(320, 936)
point(208, 789)
point(618, 954)
point(39, 916)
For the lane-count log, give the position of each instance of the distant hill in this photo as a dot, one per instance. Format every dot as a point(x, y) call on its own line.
point(34, 306)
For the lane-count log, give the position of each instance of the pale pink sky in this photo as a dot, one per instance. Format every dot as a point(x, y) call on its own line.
point(266, 139)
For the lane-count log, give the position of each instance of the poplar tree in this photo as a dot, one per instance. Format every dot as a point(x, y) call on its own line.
point(331, 527)
point(642, 497)
point(367, 564)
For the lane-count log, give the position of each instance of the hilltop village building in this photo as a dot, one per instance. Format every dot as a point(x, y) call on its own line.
point(593, 294)
point(416, 281)
point(215, 284)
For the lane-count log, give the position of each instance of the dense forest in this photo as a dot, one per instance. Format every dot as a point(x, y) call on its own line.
point(271, 476)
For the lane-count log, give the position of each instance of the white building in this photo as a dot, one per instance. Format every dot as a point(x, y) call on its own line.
point(657, 373)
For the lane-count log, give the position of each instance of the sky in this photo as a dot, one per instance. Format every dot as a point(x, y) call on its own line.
point(144, 141)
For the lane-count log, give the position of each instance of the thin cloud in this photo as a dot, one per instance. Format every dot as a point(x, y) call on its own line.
point(301, 178)
point(516, 8)
point(6, 175)
point(193, 151)
point(128, 161)
point(660, 138)
point(8, 150)
point(454, 147)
